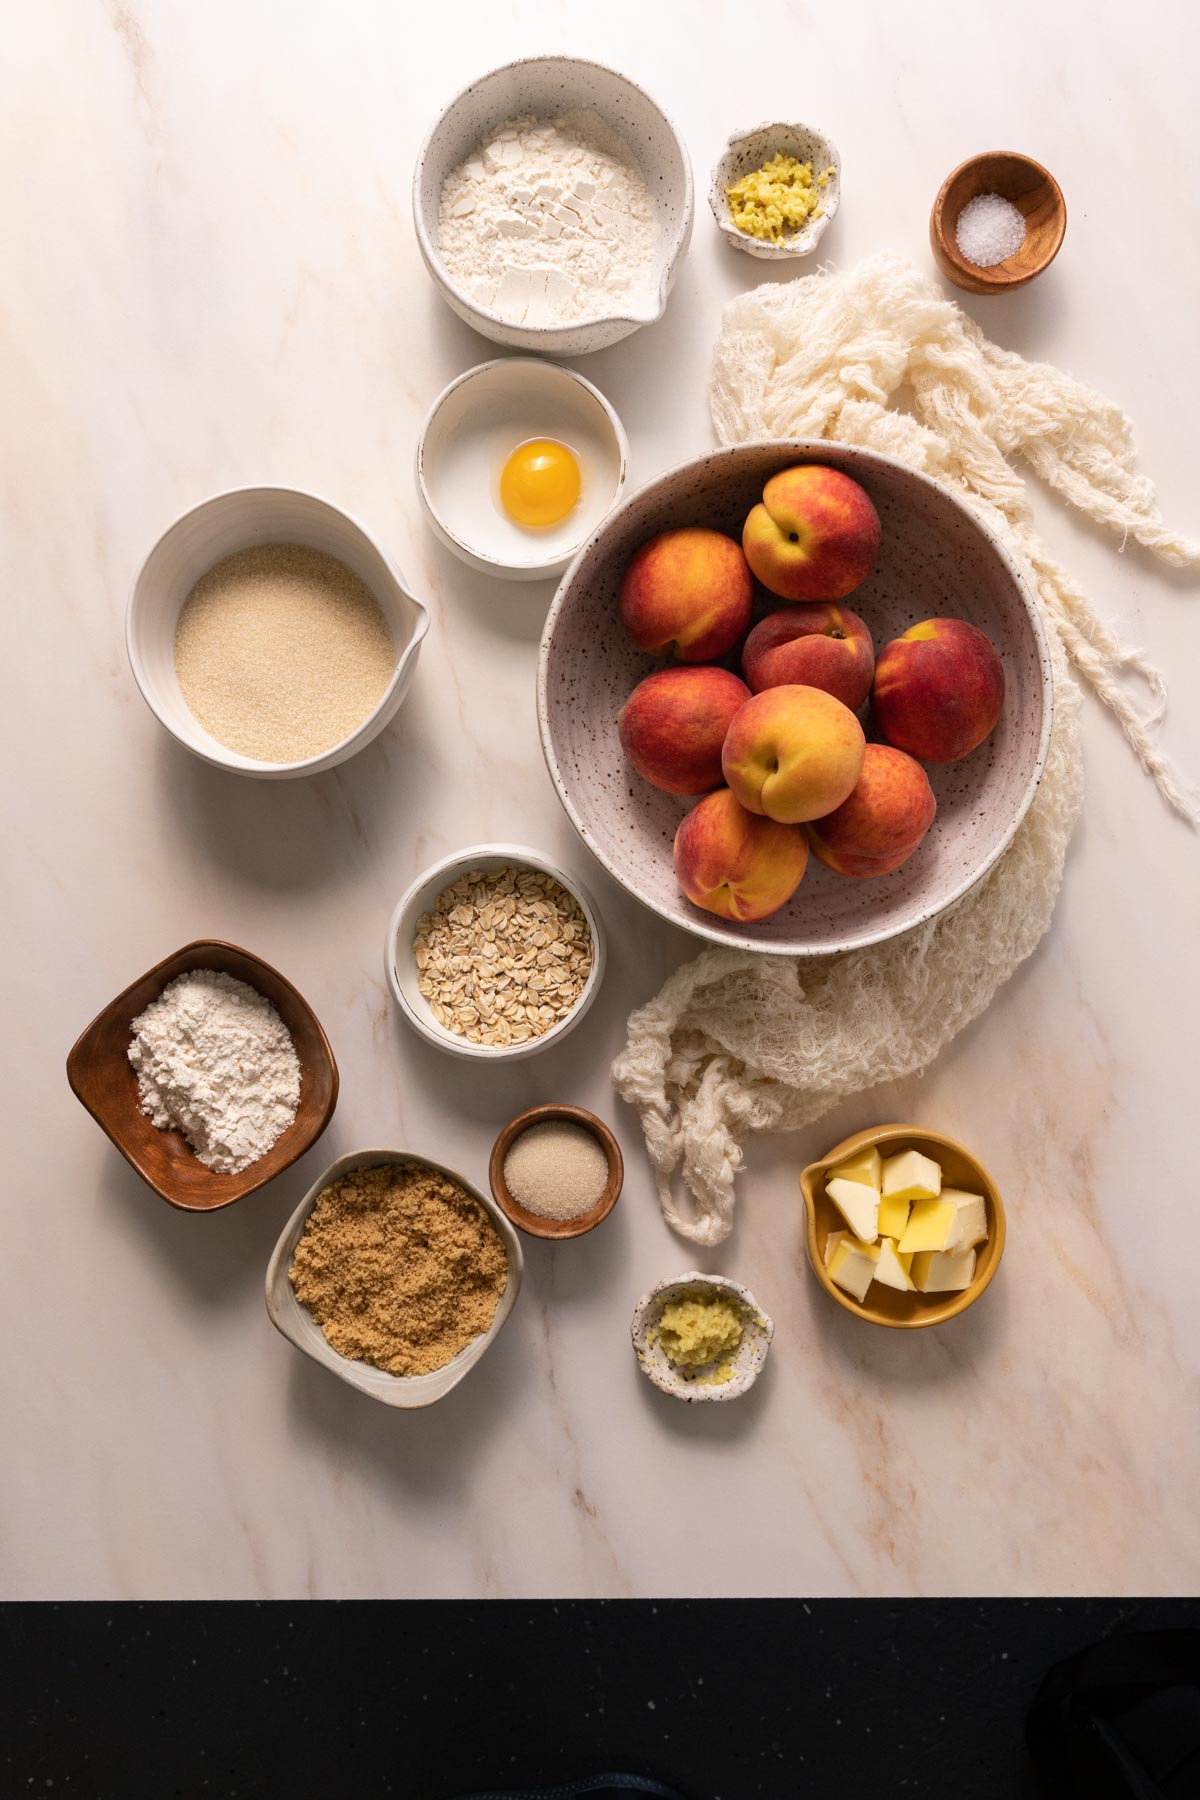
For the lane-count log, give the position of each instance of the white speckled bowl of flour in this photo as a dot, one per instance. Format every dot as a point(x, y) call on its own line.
point(242, 520)
point(547, 88)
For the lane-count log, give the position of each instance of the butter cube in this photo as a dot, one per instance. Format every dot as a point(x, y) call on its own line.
point(893, 1217)
point(891, 1268)
point(866, 1166)
point(850, 1263)
point(970, 1223)
point(911, 1176)
point(929, 1226)
point(858, 1205)
point(943, 1271)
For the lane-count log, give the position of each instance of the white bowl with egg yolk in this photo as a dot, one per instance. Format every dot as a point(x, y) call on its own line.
point(473, 428)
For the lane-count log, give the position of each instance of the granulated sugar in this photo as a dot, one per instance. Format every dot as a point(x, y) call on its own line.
point(281, 651)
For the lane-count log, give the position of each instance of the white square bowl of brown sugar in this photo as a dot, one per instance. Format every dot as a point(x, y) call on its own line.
point(495, 953)
point(438, 1272)
point(269, 633)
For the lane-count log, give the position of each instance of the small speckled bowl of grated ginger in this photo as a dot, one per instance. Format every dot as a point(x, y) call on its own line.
point(701, 1337)
point(775, 189)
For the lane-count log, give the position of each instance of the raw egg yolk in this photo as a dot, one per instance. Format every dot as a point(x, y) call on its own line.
point(539, 483)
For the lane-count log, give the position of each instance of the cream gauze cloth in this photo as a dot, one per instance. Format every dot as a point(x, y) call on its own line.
point(740, 1042)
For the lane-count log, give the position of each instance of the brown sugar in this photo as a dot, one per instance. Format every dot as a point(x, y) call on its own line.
point(400, 1267)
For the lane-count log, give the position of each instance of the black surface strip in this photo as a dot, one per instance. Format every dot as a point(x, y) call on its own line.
point(724, 1700)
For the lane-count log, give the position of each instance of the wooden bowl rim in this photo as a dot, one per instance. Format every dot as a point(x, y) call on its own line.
point(268, 1166)
point(998, 279)
point(954, 1303)
point(533, 1223)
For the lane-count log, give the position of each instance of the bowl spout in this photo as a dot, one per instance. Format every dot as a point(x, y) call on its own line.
point(417, 616)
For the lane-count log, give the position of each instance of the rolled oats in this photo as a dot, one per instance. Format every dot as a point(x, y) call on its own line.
point(504, 956)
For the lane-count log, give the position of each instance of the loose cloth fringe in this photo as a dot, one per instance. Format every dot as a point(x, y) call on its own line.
point(738, 1042)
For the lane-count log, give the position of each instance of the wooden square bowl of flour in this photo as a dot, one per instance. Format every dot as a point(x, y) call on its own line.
point(253, 1076)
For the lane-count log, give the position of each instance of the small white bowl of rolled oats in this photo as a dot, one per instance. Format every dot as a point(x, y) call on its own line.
point(495, 953)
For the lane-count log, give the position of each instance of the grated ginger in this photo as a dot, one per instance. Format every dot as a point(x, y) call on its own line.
point(777, 200)
point(701, 1336)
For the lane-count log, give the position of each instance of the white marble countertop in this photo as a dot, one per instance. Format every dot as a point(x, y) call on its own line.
point(210, 278)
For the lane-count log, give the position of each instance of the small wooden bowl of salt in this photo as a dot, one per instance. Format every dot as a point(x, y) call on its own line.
point(556, 1171)
point(999, 220)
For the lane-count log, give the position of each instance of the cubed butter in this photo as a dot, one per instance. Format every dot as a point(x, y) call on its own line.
point(911, 1176)
point(866, 1166)
point(850, 1263)
point(970, 1219)
point(891, 1268)
point(943, 1271)
point(893, 1217)
point(858, 1205)
point(929, 1226)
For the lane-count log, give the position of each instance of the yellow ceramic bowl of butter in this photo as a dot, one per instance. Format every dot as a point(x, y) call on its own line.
point(960, 1169)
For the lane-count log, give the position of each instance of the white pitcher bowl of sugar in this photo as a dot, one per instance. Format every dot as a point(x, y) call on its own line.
point(545, 87)
point(239, 520)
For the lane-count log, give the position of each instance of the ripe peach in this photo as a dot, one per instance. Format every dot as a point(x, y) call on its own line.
point(793, 753)
point(822, 646)
point(674, 723)
point(938, 689)
point(883, 821)
point(687, 591)
point(735, 864)
point(814, 536)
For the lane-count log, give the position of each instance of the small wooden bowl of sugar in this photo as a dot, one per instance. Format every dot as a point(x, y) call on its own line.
point(999, 220)
point(556, 1171)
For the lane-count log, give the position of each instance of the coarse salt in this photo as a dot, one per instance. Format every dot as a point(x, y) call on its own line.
point(989, 229)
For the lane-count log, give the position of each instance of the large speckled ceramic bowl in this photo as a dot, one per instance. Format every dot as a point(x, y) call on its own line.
point(937, 557)
point(544, 86)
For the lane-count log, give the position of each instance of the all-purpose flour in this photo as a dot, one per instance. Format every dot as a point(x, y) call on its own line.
point(549, 222)
point(215, 1061)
